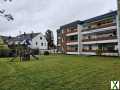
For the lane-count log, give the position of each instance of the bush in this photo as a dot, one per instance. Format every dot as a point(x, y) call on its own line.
point(46, 53)
point(36, 51)
point(99, 52)
point(5, 52)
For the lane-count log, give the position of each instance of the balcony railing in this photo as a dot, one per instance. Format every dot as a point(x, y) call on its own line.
point(102, 26)
point(72, 41)
point(99, 39)
point(71, 31)
point(71, 50)
point(104, 51)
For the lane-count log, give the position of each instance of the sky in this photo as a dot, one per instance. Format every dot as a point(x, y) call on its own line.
point(40, 15)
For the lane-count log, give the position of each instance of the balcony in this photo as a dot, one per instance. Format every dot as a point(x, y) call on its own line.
point(71, 50)
point(100, 39)
point(72, 41)
point(71, 31)
point(102, 26)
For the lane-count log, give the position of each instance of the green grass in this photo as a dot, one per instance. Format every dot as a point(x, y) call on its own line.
point(60, 73)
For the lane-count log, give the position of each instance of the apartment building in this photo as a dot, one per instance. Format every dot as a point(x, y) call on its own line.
point(100, 33)
point(68, 38)
point(88, 36)
point(118, 1)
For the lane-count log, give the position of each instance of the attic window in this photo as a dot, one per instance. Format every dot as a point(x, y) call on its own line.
point(40, 38)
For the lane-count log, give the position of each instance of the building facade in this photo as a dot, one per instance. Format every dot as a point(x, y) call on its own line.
point(118, 18)
point(68, 38)
point(39, 42)
point(100, 33)
point(88, 36)
point(59, 40)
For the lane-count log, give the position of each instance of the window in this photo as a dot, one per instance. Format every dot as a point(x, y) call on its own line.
point(114, 33)
point(89, 37)
point(36, 43)
point(89, 27)
point(90, 47)
point(41, 44)
point(40, 38)
point(99, 24)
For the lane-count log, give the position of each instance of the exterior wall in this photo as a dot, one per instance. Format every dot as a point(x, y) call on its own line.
point(39, 42)
point(118, 24)
point(68, 38)
point(80, 37)
point(73, 46)
point(100, 34)
point(59, 36)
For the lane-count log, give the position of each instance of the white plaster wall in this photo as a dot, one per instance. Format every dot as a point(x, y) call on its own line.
point(39, 41)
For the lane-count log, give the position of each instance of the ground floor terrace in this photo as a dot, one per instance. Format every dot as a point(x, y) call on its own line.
point(106, 49)
point(59, 72)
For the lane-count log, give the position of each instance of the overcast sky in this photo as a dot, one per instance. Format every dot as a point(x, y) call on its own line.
point(40, 15)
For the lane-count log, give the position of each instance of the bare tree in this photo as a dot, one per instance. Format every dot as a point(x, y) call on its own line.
point(9, 17)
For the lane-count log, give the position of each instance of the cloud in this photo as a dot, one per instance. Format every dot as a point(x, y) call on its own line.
point(40, 15)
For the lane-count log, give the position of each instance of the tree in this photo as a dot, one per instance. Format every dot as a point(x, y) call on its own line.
point(50, 39)
point(9, 17)
point(2, 44)
point(4, 50)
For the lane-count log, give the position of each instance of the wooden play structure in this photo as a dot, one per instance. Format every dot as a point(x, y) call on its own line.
point(23, 52)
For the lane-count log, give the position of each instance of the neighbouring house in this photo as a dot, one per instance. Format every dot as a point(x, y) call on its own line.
point(86, 37)
point(33, 40)
point(39, 42)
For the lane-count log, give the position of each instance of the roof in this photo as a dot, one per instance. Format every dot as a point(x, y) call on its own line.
point(113, 13)
point(71, 24)
point(29, 36)
point(20, 38)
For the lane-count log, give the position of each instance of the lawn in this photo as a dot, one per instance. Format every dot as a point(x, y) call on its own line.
point(60, 73)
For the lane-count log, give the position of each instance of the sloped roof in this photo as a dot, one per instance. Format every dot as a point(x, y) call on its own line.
point(113, 13)
point(20, 38)
point(29, 36)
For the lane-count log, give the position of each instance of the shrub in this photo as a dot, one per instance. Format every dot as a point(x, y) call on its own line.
point(5, 52)
point(36, 51)
point(46, 53)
